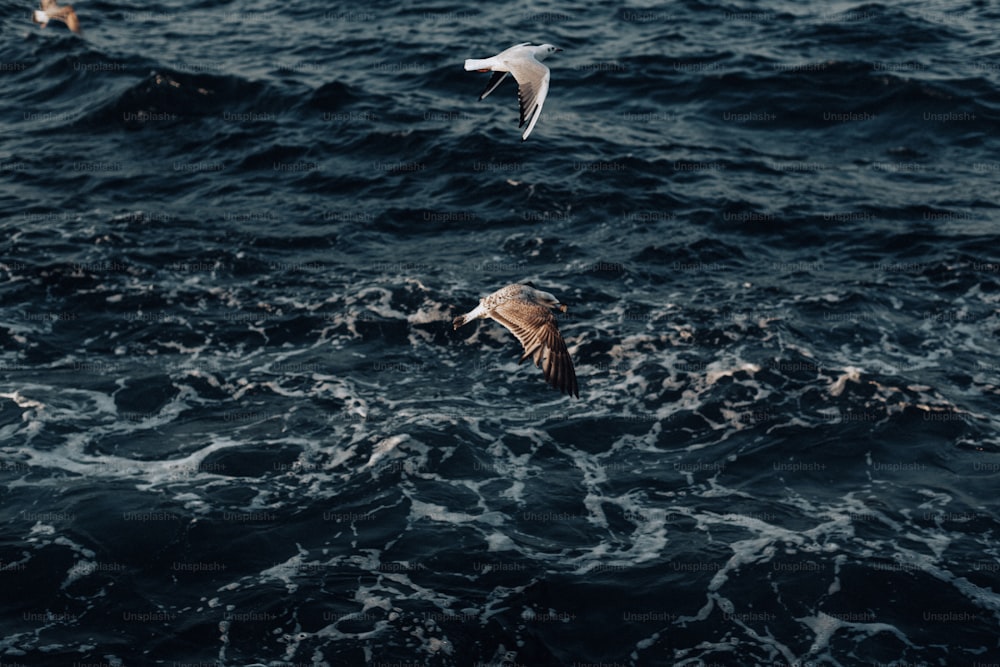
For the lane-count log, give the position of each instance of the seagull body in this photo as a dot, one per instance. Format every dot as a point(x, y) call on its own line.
point(524, 62)
point(527, 313)
point(50, 10)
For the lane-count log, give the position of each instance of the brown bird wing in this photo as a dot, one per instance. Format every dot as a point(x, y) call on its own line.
point(534, 325)
point(67, 14)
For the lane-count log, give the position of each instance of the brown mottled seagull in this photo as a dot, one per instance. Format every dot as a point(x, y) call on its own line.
point(527, 313)
point(50, 10)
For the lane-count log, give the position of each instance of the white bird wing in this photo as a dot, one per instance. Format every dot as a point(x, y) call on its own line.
point(493, 83)
point(532, 88)
point(534, 325)
point(510, 50)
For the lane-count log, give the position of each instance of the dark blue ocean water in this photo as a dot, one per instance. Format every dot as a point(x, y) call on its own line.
point(237, 428)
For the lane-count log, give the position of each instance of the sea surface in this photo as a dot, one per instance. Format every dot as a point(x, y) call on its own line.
point(237, 427)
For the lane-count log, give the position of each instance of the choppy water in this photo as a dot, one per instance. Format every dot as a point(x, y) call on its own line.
point(236, 427)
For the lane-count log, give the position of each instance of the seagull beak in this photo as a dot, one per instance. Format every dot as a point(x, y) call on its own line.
point(558, 49)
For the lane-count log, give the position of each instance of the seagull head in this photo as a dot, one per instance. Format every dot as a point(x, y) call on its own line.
point(544, 51)
point(540, 297)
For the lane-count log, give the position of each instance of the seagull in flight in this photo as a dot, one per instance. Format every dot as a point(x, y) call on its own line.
point(527, 313)
point(524, 62)
point(50, 10)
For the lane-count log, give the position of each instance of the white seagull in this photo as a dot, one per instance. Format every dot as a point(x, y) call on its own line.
point(50, 10)
point(527, 313)
point(524, 62)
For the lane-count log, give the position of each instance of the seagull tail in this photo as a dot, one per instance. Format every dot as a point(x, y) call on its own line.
point(473, 64)
point(473, 314)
